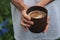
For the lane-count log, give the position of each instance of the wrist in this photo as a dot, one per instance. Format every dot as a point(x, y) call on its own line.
point(43, 3)
point(24, 8)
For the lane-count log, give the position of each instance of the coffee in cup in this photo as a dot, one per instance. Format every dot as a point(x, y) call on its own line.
point(37, 14)
point(39, 17)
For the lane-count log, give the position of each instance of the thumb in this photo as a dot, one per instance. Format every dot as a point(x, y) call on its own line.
point(25, 15)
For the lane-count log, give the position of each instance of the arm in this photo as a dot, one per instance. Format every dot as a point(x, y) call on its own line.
point(25, 19)
point(44, 2)
point(19, 4)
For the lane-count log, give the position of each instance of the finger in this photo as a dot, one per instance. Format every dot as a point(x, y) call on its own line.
point(27, 21)
point(48, 19)
point(24, 26)
point(46, 29)
point(25, 29)
point(24, 14)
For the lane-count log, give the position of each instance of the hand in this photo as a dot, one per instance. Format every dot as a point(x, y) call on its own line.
point(26, 20)
point(48, 19)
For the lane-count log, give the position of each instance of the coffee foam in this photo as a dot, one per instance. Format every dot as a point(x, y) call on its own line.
point(40, 14)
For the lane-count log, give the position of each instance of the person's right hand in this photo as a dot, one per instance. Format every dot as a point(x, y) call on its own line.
point(26, 20)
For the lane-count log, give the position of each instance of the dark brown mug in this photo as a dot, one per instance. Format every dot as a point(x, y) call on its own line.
point(40, 21)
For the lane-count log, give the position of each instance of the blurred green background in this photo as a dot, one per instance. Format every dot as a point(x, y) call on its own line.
point(6, 30)
point(6, 27)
